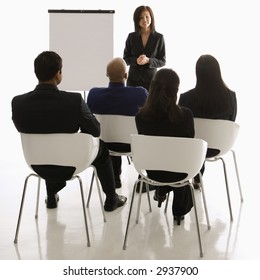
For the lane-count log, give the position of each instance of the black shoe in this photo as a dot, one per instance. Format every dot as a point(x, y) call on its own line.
point(196, 185)
point(178, 219)
point(159, 198)
point(119, 201)
point(52, 201)
point(151, 188)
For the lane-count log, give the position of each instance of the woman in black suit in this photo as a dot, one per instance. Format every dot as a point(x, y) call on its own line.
point(161, 116)
point(144, 49)
point(211, 98)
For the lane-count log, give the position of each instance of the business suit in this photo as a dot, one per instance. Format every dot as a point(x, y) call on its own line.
point(141, 75)
point(46, 109)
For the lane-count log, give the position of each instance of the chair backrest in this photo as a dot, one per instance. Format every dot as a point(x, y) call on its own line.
point(219, 134)
point(65, 149)
point(117, 128)
point(174, 154)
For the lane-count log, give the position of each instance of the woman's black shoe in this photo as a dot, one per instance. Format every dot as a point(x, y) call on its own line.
point(52, 201)
point(159, 198)
point(143, 190)
point(196, 185)
point(178, 219)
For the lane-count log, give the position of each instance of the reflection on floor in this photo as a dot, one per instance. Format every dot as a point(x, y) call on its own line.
point(60, 234)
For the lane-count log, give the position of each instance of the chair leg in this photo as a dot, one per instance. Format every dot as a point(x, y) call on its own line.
point(238, 179)
point(38, 197)
point(90, 189)
point(166, 202)
point(197, 220)
point(21, 207)
point(100, 195)
point(227, 189)
point(84, 209)
point(139, 201)
point(148, 197)
point(129, 215)
point(204, 201)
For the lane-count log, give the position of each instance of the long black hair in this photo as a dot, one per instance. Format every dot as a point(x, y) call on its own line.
point(162, 98)
point(211, 92)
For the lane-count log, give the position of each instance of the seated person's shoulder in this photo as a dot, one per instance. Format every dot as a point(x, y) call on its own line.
point(72, 95)
point(187, 112)
point(187, 93)
point(138, 89)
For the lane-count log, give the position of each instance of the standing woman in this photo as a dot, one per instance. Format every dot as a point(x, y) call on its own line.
point(161, 116)
point(144, 49)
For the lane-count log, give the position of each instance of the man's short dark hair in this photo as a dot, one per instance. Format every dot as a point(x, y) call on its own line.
point(46, 65)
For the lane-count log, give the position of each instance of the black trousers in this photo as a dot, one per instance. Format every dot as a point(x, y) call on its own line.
point(117, 160)
point(56, 176)
point(182, 200)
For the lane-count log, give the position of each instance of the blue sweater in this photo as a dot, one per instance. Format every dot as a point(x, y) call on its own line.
point(116, 99)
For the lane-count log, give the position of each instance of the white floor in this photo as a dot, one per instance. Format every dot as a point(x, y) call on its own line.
point(59, 234)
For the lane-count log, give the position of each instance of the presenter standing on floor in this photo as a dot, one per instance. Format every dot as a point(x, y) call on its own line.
point(144, 49)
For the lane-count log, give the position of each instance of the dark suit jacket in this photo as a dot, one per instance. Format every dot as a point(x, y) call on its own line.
point(189, 100)
point(46, 109)
point(154, 49)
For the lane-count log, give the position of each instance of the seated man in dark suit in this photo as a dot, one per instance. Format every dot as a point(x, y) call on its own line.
point(117, 99)
point(46, 109)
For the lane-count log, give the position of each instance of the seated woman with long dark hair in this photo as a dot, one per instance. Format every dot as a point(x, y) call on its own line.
point(161, 116)
point(210, 98)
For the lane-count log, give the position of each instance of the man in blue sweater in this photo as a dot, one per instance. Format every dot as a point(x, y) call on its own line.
point(117, 99)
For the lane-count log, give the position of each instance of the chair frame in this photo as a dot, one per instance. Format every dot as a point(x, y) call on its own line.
point(144, 179)
point(75, 176)
point(202, 126)
point(108, 123)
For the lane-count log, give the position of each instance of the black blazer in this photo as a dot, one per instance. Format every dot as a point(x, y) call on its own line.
point(154, 49)
point(189, 100)
point(46, 109)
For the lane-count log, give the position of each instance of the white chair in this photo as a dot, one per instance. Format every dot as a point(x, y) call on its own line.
point(115, 129)
point(172, 154)
point(75, 149)
point(220, 135)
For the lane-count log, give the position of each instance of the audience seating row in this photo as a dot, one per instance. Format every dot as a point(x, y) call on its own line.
point(146, 152)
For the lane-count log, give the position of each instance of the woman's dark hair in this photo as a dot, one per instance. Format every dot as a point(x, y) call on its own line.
point(162, 98)
point(137, 14)
point(212, 92)
point(46, 65)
